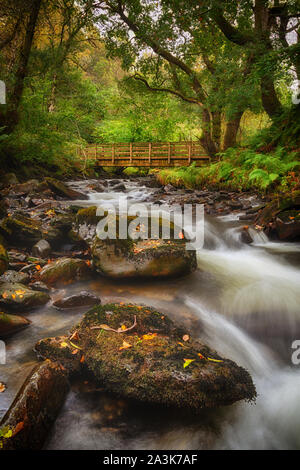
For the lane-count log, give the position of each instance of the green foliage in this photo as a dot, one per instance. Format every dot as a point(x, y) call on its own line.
point(240, 169)
point(135, 171)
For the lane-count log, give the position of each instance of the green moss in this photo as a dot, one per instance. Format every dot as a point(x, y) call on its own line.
point(88, 216)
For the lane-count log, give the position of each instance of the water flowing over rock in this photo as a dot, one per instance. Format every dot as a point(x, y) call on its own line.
point(138, 352)
point(65, 271)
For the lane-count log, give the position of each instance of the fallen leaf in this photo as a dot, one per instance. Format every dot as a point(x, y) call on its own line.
point(82, 359)
point(64, 344)
point(2, 387)
point(18, 428)
point(181, 344)
point(149, 336)
point(75, 346)
point(213, 360)
point(125, 346)
point(185, 337)
point(201, 356)
point(75, 351)
point(187, 362)
point(123, 327)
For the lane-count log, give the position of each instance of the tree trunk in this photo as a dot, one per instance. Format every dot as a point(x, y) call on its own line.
point(51, 103)
point(216, 128)
point(231, 131)
point(206, 139)
point(12, 116)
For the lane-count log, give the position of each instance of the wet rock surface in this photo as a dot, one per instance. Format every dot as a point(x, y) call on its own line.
point(10, 324)
point(138, 352)
point(28, 421)
point(14, 296)
point(65, 271)
point(83, 298)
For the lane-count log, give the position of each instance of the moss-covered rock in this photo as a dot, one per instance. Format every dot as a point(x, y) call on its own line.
point(138, 352)
point(3, 259)
point(15, 277)
point(142, 258)
point(65, 271)
point(17, 297)
point(22, 230)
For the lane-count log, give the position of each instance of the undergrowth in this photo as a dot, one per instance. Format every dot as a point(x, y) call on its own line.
point(241, 170)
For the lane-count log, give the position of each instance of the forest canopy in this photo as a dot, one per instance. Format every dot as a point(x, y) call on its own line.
point(80, 72)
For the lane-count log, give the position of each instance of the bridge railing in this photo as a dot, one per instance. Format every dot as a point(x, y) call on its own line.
point(145, 154)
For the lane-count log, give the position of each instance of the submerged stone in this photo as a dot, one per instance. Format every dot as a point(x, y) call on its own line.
point(138, 352)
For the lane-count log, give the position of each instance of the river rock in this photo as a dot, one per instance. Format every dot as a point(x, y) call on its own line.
point(34, 410)
point(3, 259)
point(65, 271)
point(10, 179)
point(142, 258)
point(281, 218)
point(17, 296)
point(10, 324)
point(81, 299)
point(41, 249)
point(139, 353)
point(63, 190)
point(119, 187)
point(21, 230)
point(15, 277)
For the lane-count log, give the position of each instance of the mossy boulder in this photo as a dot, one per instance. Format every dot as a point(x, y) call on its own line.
point(19, 297)
point(65, 271)
point(3, 259)
point(22, 230)
point(15, 277)
point(139, 353)
point(10, 324)
point(142, 258)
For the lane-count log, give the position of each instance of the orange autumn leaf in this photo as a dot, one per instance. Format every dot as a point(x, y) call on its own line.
point(123, 327)
point(82, 359)
point(38, 267)
point(75, 351)
point(2, 387)
point(125, 346)
point(18, 428)
point(181, 235)
point(185, 337)
point(74, 336)
point(149, 336)
point(181, 344)
point(201, 356)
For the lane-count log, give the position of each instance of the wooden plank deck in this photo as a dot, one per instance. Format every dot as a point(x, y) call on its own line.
point(144, 154)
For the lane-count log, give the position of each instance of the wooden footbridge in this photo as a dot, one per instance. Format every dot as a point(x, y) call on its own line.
point(150, 154)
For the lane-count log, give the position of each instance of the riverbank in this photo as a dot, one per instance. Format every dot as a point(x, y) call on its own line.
point(227, 303)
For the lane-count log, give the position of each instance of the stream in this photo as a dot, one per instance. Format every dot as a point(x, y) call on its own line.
point(243, 301)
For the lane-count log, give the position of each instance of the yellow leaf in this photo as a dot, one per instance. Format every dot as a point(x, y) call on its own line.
point(123, 327)
point(213, 360)
point(125, 346)
point(187, 362)
point(64, 344)
point(75, 346)
point(181, 344)
point(149, 336)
